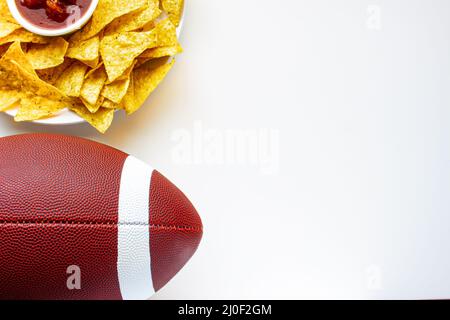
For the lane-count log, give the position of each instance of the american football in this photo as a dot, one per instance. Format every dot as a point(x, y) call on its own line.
point(82, 220)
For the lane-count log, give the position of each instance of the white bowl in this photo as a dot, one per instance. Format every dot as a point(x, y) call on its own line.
point(51, 32)
point(67, 117)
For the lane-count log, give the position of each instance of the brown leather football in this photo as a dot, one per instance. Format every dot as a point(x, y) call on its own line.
point(81, 220)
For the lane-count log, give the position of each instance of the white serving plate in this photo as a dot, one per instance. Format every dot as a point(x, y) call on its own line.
point(67, 117)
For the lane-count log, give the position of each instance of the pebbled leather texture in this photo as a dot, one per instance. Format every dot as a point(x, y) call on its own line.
point(176, 229)
point(58, 207)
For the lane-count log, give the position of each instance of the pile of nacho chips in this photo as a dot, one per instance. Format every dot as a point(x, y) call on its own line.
point(113, 63)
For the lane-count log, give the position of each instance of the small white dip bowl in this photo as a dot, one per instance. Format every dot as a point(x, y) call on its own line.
point(70, 28)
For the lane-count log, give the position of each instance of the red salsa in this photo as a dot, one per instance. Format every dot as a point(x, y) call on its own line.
point(53, 14)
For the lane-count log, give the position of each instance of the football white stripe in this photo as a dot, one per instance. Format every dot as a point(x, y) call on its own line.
point(133, 256)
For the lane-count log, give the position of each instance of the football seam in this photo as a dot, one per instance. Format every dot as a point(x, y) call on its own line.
point(86, 223)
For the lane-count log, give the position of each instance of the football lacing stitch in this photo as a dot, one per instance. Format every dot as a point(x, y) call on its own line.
point(94, 223)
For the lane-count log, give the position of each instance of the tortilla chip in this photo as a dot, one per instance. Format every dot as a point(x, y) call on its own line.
point(135, 20)
point(119, 51)
point(126, 75)
point(166, 33)
point(71, 81)
point(8, 98)
point(50, 75)
point(90, 72)
point(17, 73)
point(5, 14)
point(174, 9)
point(24, 36)
point(92, 87)
point(145, 80)
point(107, 11)
point(38, 107)
point(34, 85)
point(101, 120)
point(86, 51)
point(19, 81)
point(161, 52)
point(6, 28)
point(109, 104)
point(44, 56)
point(15, 54)
point(116, 91)
point(93, 108)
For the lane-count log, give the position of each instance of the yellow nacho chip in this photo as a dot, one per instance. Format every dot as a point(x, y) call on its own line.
point(101, 120)
point(145, 80)
point(16, 55)
point(37, 98)
point(50, 75)
point(5, 14)
point(161, 52)
point(135, 20)
point(165, 30)
point(44, 56)
point(38, 107)
point(116, 91)
point(120, 50)
point(166, 33)
point(86, 51)
point(92, 87)
point(14, 69)
point(32, 84)
point(90, 72)
point(93, 108)
point(109, 104)
point(126, 75)
point(107, 11)
point(9, 77)
point(174, 9)
point(72, 79)
point(8, 98)
point(23, 35)
point(6, 28)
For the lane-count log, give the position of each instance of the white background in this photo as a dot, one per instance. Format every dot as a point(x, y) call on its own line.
point(342, 189)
